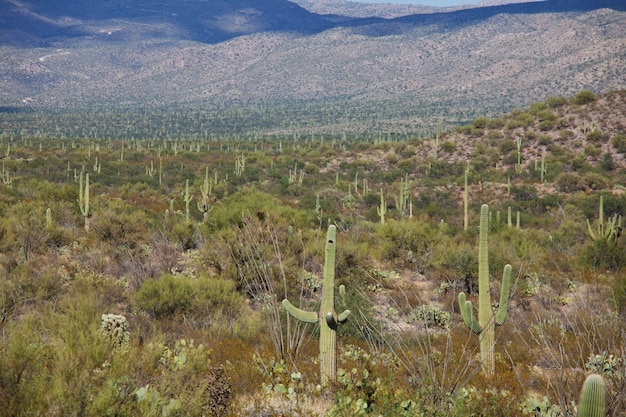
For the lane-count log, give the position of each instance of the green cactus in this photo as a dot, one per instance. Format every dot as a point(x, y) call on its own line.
point(206, 190)
point(151, 171)
point(382, 209)
point(402, 199)
point(609, 231)
point(592, 401)
point(83, 198)
point(327, 318)
point(48, 218)
point(466, 201)
point(240, 165)
point(485, 327)
point(518, 165)
point(187, 199)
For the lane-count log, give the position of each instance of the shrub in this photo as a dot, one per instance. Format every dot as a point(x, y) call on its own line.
point(165, 296)
point(584, 97)
point(595, 136)
point(595, 181)
point(554, 101)
point(568, 182)
point(448, 147)
point(619, 142)
point(430, 316)
point(603, 254)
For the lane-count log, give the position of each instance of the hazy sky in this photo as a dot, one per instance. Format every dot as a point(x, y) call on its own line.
point(441, 3)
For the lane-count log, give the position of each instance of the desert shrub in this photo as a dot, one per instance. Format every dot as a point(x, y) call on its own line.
point(184, 233)
point(602, 253)
point(595, 181)
point(523, 192)
point(119, 224)
point(606, 163)
point(585, 97)
point(218, 306)
point(397, 239)
point(595, 136)
point(24, 370)
point(511, 158)
point(448, 147)
point(175, 380)
point(568, 182)
point(619, 142)
point(165, 296)
point(460, 264)
point(429, 316)
point(618, 289)
point(23, 229)
point(507, 145)
point(31, 282)
point(554, 101)
point(248, 201)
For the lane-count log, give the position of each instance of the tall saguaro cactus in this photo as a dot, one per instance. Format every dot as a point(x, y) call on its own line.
point(487, 320)
point(187, 199)
point(205, 189)
point(593, 397)
point(327, 318)
point(382, 208)
point(83, 199)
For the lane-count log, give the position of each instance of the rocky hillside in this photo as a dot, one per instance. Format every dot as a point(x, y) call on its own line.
point(403, 73)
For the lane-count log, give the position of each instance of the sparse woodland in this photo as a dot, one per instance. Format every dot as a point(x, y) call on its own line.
point(144, 277)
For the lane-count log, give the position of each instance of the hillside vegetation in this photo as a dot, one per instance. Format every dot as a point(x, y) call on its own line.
point(309, 72)
point(145, 277)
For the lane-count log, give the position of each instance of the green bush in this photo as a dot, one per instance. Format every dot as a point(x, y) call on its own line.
point(585, 97)
point(568, 182)
point(619, 142)
point(603, 254)
point(165, 296)
point(430, 316)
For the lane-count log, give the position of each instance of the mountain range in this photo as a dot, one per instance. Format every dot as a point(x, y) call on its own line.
point(399, 65)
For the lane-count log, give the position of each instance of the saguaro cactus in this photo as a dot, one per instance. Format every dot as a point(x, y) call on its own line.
point(205, 189)
point(187, 199)
point(593, 397)
point(609, 230)
point(83, 199)
point(327, 317)
point(466, 201)
point(382, 209)
point(485, 327)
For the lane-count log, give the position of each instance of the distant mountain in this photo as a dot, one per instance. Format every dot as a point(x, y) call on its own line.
point(408, 70)
point(388, 9)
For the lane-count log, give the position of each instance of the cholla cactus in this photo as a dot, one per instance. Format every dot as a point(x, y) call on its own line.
point(114, 330)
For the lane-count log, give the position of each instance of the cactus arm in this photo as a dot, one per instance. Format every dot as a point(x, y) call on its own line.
point(467, 312)
point(591, 232)
point(505, 290)
point(592, 401)
point(343, 317)
point(305, 316)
